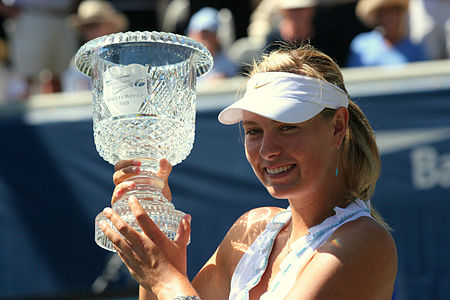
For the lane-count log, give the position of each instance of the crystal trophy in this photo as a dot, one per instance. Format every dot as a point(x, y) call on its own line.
point(143, 108)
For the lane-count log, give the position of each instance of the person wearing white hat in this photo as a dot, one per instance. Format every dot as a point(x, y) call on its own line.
point(94, 18)
point(388, 43)
point(307, 143)
point(297, 19)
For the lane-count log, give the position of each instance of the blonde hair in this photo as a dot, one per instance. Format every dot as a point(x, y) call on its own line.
point(359, 159)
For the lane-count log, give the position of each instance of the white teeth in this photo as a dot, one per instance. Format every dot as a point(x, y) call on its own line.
point(279, 170)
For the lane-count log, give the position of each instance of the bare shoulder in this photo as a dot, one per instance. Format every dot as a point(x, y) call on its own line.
point(362, 234)
point(244, 232)
point(250, 225)
point(359, 261)
point(213, 280)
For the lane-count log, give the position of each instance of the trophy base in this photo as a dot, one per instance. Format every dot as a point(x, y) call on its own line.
point(164, 214)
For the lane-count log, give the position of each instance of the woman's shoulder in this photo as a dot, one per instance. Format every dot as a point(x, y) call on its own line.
point(244, 232)
point(251, 224)
point(215, 277)
point(358, 260)
point(364, 233)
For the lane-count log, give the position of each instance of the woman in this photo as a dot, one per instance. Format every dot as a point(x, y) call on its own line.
point(306, 142)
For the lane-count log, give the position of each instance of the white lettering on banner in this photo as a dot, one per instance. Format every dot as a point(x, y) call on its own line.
point(429, 169)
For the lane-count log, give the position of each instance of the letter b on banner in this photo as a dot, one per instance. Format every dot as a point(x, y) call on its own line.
point(429, 169)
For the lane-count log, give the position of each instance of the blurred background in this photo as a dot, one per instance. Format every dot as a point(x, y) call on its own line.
point(395, 56)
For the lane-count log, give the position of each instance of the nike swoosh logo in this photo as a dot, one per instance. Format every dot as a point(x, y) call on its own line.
point(257, 86)
point(391, 141)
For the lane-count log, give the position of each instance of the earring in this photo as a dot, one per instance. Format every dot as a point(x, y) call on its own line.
point(337, 162)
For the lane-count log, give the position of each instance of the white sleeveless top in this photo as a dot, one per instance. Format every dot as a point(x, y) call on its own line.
point(253, 263)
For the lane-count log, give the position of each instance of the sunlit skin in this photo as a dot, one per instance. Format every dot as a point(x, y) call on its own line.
point(309, 150)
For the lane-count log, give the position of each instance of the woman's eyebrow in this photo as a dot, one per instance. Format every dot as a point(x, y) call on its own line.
point(249, 123)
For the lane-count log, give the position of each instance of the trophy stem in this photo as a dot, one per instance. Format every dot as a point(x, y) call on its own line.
point(148, 192)
point(147, 181)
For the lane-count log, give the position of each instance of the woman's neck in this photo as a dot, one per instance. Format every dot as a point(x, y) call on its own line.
point(313, 210)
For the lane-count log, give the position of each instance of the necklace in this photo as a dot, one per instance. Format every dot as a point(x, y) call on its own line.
point(288, 243)
point(288, 240)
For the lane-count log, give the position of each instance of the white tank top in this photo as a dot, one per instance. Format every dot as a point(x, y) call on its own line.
point(253, 263)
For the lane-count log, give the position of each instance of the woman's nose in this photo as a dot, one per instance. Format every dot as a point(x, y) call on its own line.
point(269, 147)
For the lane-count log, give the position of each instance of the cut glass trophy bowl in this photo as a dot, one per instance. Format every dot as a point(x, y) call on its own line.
point(143, 108)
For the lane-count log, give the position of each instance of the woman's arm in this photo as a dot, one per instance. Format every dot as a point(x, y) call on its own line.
point(213, 281)
point(125, 169)
point(157, 263)
point(359, 261)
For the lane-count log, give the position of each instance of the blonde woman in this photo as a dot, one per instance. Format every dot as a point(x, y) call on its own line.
point(308, 143)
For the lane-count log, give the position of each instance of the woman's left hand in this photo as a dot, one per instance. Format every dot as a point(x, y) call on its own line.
point(156, 262)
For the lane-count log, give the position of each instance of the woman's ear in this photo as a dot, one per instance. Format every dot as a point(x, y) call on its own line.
point(340, 123)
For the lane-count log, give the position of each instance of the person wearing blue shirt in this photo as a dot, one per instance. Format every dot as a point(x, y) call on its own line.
point(388, 43)
point(203, 27)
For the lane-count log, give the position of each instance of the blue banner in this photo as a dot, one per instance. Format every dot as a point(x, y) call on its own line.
point(53, 183)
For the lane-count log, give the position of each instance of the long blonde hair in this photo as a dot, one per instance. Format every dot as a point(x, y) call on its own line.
point(358, 155)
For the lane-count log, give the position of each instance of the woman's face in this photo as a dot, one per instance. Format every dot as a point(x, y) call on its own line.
point(291, 160)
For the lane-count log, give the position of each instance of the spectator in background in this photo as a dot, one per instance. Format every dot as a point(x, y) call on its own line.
point(240, 9)
point(263, 20)
point(429, 23)
point(143, 15)
point(94, 18)
point(273, 22)
point(203, 27)
point(388, 43)
point(336, 26)
point(296, 25)
point(328, 24)
point(41, 43)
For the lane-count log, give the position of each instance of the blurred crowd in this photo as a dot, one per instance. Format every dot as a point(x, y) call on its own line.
point(38, 38)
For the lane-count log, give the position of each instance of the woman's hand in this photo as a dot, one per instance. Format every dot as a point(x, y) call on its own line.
point(158, 264)
point(126, 169)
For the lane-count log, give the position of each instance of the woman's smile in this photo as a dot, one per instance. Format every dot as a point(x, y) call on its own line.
point(281, 171)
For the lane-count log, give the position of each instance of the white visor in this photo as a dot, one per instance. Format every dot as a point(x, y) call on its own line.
point(285, 97)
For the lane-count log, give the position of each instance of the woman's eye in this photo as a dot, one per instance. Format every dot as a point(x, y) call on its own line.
point(252, 131)
point(287, 127)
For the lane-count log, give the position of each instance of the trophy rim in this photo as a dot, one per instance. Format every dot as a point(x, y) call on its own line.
point(84, 55)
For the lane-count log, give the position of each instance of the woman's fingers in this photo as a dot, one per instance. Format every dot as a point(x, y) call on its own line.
point(164, 171)
point(125, 169)
point(145, 222)
point(118, 242)
point(125, 163)
point(121, 189)
point(129, 235)
point(183, 232)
